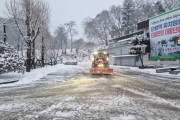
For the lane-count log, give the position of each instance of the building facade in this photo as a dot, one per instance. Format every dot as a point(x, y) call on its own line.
point(119, 50)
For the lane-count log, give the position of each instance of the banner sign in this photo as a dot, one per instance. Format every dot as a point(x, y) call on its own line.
point(165, 36)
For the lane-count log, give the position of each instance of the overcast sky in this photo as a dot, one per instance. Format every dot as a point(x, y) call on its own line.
point(63, 11)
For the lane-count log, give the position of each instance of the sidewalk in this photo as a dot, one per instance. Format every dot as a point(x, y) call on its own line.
point(151, 72)
point(11, 77)
point(15, 78)
point(8, 82)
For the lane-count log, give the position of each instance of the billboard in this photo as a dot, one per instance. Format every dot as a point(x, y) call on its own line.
point(164, 35)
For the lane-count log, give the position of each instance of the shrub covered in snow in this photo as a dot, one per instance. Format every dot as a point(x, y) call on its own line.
point(9, 58)
point(140, 42)
point(102, 47)
point(81, 56)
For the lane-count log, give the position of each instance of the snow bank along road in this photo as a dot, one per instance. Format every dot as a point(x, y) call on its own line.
point(71, 93)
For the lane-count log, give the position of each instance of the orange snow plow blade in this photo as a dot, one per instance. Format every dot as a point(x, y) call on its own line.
point(101, 71)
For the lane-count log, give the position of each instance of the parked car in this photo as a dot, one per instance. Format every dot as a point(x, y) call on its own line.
point(70, 62)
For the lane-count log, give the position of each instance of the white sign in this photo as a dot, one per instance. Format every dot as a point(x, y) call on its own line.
point(164, 30)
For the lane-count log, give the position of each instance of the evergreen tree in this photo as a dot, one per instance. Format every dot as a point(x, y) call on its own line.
point(127, 14)
point(9, 59)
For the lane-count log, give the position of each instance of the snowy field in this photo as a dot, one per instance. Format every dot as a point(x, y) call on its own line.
point(70, 92)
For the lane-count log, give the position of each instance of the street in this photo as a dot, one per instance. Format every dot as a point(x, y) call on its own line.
point(74, 94)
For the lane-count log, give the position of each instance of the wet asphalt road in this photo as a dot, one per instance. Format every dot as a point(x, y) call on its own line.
point(74, 94)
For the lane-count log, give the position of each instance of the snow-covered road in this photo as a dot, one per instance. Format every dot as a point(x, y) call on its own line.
point(69, 92)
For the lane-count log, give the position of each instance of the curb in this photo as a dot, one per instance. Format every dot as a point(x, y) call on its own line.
point(162, 75)
point(9, 82)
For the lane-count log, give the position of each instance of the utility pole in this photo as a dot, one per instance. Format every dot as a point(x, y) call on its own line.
point(42, 52)
point(4, 29)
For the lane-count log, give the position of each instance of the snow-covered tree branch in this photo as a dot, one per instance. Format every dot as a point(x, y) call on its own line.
point(30, 17)
point(139, 42)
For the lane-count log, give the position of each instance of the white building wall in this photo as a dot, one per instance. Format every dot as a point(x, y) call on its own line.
point(124, 49)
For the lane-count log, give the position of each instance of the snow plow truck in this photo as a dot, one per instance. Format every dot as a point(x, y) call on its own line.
point(100, 64)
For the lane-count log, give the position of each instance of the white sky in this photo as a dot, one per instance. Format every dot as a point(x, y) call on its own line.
point(63, 11)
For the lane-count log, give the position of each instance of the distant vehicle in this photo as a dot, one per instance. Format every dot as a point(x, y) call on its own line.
point(100, 63)
point(70, 62)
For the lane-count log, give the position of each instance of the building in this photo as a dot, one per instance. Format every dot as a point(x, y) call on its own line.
point(119, 48)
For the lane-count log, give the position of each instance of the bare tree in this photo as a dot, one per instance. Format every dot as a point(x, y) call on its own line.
point(79, 44)
point(89, 46)
point(71, 30)
point(47, 40)
point(171, 4)
point(147, 9)
point(116, 13)
point(127, 14)
point(30, 16)
point(159, 7)
point(61, 38)
point(100, 27)
point(51, 52)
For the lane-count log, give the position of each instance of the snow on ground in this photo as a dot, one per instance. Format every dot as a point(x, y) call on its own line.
point(30, 77)
point(36, 74)
point(130, 117)
point(82, 96)
point(11, 106)
point(149, 71)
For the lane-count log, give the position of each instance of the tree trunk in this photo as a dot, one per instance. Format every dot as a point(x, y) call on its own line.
point(61, 47)
point(33, 54)
point(43, 51)
point(71, 43)
point(65, 47)
point(65, 51)
point(28, 61)
point(106, 42)
point(22, 49)
point(18, 44)
point(141, 58)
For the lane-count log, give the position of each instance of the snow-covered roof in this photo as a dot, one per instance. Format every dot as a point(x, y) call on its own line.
point(140, 46)
point(128, 39)
point(132, 38)
point(123, 56)
point(102, 47)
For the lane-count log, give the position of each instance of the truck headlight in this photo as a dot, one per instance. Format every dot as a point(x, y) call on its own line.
point(96, 52)
point(107, 59)
point(100, 65)
point(105, 52)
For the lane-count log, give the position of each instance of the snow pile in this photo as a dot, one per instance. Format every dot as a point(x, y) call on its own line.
point(102, 47)
point(36, 74)
point(9, 58)
point(150, 71)
point(81, 56)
